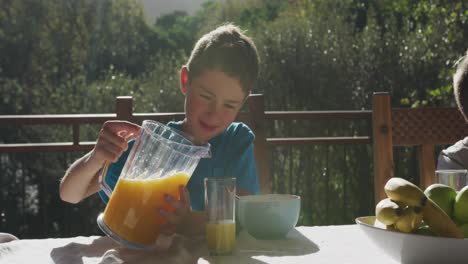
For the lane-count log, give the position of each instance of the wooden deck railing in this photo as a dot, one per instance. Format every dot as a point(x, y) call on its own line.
point(299, 165)
point(125, 112)
point(256, 117)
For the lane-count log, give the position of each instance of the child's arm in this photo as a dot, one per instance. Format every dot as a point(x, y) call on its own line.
point(184, 221)
point(81, 179)
point(194, 224)
point(242, 192)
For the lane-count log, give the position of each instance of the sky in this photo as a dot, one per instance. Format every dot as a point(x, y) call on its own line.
point(154, 8)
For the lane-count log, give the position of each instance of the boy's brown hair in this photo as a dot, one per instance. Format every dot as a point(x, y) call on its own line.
point(460, 85)
point(229, 50)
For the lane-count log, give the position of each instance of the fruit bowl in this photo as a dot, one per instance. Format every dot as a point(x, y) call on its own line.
point(414, 248)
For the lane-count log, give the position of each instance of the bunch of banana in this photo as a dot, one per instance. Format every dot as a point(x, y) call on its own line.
point(410, 220)
point(403, 191)
point(407, 208)
point(388, 211)
point(439, 222)
point(398, 215)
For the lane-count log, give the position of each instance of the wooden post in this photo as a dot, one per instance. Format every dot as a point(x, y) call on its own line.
point(257, 121)
point(426, 162)
point(382, 143)
point(124, 108)
point(76, 134)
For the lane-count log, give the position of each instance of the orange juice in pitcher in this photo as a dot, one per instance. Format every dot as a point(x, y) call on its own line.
point(160, 160)
point(132, 209)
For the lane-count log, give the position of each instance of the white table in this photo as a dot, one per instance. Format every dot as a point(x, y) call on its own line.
point(321, 244)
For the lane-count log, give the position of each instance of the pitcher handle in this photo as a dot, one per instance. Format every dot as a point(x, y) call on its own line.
point(102, 180)
point(102, 177)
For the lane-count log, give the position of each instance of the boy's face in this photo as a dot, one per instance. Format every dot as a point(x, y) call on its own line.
point(212, 101)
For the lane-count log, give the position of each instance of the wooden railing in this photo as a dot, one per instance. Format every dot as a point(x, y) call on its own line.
point(256, 117)
point(124, 111)
point(335, 187)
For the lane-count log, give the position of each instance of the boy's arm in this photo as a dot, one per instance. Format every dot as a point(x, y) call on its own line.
point(194, 224)
point(183, 220)
point(81, 179)
point(186, 221)
point(242, 192)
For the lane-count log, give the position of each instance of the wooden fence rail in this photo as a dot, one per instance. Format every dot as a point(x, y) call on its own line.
point(255, 116)
point(284, 151)
point(75, 120)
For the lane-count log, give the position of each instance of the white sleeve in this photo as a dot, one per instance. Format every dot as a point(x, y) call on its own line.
point(444, 162)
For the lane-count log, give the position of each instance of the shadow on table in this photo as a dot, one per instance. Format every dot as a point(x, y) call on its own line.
point(73, 253)
point(249, 248)
point(107, 252)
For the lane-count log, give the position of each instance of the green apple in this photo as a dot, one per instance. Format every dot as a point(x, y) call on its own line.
point(460, 207)
point(443, 195)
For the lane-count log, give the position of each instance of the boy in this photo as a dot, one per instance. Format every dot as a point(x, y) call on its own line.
point(456, 156)
point(218, 77)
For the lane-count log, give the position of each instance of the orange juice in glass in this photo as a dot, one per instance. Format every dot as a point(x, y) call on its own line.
point(160, 160)
point(220, 195)
point(221, 236)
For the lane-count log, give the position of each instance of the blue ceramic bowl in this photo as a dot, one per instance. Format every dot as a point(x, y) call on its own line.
point(268, 216)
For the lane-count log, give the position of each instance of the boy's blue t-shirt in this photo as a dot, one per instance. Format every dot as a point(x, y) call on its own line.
point(232, 155)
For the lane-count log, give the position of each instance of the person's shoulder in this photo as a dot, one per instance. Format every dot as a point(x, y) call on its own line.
point(455, 156)
point(240, 130)
point(460, 146)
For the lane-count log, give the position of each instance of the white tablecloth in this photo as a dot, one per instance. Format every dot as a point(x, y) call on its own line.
point(321, 244)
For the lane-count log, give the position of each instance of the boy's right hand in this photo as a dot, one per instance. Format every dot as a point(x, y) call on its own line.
point(81, 179)
point(113, 140)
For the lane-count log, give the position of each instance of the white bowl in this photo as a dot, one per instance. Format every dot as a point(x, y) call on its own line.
point(268, 216)
point(413, 248)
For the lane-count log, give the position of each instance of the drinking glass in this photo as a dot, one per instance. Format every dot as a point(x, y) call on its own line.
point(220, 196)
point(457, 179)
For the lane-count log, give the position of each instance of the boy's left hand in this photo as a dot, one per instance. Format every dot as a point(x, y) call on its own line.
point(176, 220)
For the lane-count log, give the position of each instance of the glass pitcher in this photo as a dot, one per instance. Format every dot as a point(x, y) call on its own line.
point(160, 160)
